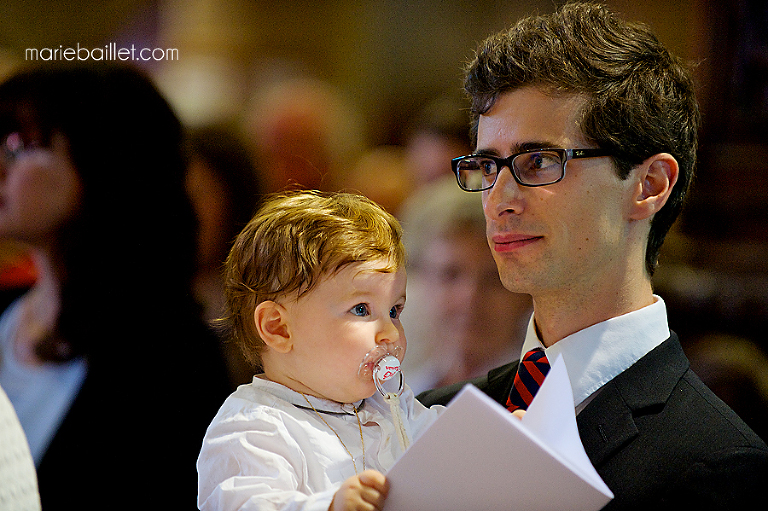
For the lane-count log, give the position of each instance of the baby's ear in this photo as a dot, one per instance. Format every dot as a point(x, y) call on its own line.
point(271, 320)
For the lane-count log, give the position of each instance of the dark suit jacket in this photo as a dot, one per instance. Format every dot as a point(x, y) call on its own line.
point(658, 437)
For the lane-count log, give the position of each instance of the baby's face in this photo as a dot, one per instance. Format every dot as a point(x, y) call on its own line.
point(336, 324)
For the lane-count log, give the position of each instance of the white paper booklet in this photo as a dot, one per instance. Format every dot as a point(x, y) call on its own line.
point(478, 456)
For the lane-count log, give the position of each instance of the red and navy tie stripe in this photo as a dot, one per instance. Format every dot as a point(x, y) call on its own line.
point(530, 375)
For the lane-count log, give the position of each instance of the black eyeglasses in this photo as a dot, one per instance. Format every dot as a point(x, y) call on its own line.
point(538, 167)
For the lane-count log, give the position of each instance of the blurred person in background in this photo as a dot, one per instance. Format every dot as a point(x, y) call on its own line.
point(17, 271)
point(225, 189)
point(381, 175)
point(303, 133)
point(436, 135)
point(106, 358)
point(463, 322)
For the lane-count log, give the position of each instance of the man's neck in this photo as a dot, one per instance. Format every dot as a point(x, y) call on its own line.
point(562, 314)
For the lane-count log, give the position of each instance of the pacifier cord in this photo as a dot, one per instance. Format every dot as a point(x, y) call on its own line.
point(385, 367)
point(393, 400)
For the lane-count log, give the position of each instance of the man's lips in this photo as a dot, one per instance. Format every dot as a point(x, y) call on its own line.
point(510, 242)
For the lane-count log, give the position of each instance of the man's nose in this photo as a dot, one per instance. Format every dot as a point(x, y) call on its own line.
point(505, 195)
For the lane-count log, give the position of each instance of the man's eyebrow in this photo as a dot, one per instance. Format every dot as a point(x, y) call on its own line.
point(519, 148)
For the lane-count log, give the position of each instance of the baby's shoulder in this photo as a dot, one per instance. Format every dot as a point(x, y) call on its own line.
point(251, 403)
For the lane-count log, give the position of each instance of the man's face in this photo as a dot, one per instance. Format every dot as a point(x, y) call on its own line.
point(561, 239)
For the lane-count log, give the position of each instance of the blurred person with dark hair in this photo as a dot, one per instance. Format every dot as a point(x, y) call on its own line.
point(106, 359)
point(585, 131)
point(225, 188)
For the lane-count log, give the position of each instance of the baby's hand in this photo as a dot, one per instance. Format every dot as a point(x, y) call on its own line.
point(364, 492)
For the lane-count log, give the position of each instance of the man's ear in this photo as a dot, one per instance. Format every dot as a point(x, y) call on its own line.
point(271, 320)
point(657, 175)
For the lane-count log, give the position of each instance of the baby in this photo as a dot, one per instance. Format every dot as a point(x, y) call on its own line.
point(315, 288)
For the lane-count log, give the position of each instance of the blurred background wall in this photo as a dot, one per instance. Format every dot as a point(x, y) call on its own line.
point(375, 64)
point(390, 56)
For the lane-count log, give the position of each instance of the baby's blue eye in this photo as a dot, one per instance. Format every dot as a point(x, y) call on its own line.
point(395, 311)
point(360, 309)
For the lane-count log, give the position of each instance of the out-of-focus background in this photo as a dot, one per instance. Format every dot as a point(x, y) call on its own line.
point(365, 95)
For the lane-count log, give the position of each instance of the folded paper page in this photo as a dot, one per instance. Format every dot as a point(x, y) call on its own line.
point(478, 456)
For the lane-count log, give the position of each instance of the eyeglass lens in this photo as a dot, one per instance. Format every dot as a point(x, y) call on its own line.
point(533, 168)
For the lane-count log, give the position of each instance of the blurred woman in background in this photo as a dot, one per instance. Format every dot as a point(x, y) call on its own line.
point(106, 359)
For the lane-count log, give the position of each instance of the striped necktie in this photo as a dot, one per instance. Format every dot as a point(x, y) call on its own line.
point(530, 375)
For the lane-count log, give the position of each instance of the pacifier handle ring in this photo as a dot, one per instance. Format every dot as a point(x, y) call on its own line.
point(381, 389)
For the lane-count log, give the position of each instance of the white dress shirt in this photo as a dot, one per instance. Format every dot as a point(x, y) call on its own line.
point(267, 449)
point(597, 354)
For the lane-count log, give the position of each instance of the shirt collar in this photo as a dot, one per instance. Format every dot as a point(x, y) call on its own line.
point(597, 354)
point(298, 399)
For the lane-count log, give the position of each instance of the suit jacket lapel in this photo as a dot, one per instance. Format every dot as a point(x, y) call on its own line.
point(608, 422)
point(499, 382)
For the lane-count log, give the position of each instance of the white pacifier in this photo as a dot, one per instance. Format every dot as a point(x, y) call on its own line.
point(382, 364)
